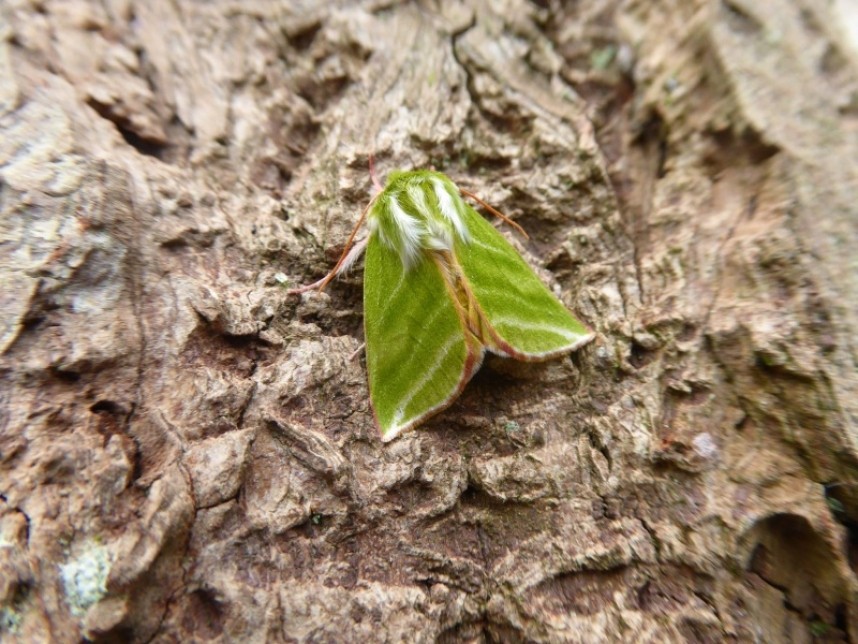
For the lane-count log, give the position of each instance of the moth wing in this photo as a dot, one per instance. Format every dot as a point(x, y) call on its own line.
point(530, 323)
point(417, 356)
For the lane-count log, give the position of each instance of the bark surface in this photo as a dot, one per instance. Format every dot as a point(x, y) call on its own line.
point(188, 454)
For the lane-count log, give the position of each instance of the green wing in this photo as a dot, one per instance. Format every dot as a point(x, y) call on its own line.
point(529, 322)
point(417, 356)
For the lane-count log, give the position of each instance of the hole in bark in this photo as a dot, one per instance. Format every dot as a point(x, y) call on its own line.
point(758, 150)
point(639, 356)
point(562, 265)
point(15, 603)
point(33, 322)
point(237, 354)
point(687, 332)
point(118, 635)
point(740, 20)
point(653, 139)
point(791, 557)
point(109, 416)
point(204, 615)
point(643, 594)
point(314, 527)
point(772, 367)
point(176, 244)
point(303, 39)
point(107, 407)
point(320, 92)
point(136, 459)
point(730, 149)
point(68, 377)
point(143, 146)
point(840, 618)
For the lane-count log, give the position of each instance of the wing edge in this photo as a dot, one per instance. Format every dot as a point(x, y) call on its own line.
point(472, 364)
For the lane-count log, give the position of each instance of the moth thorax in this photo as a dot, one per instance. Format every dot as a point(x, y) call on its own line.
point(439, 235)
point(419, 212)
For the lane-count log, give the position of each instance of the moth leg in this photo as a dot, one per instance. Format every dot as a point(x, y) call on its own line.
point(357, 351)
point(350, 254)
point(343, 265)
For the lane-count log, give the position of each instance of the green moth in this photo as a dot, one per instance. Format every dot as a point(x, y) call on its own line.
point(441, 287)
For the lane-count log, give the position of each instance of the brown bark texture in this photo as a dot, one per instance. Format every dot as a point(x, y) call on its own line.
point(187, 452)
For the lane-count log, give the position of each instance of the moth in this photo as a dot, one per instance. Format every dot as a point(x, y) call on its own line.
point(441, 287)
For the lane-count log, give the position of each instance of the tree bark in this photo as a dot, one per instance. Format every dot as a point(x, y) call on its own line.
point(187, 453)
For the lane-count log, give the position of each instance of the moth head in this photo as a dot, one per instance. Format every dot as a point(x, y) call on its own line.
point(418, 211)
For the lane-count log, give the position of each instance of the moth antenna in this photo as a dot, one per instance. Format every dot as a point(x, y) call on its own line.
point(375, 182)
point(348, 257)
point(495, 212)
